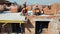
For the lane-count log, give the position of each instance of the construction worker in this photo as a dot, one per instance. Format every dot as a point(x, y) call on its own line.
point(37, 11)
point(24, 5)
point(20, 8)
point(14, 8)
point(24, 11)
point(1, 8)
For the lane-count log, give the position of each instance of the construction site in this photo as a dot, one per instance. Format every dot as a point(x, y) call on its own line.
point(29, 19)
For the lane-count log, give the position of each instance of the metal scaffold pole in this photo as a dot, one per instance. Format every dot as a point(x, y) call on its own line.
point(21, 28)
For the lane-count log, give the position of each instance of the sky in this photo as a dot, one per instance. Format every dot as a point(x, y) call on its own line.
point(42, 2)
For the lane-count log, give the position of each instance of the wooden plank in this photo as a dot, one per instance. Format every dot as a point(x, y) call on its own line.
point(12, 21)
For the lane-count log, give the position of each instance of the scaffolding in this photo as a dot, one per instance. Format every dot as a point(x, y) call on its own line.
point(10, 18)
